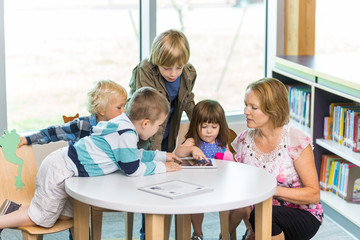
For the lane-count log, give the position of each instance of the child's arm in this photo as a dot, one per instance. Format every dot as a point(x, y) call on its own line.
point(188, 148)
point(171, 157)
point(73, 130)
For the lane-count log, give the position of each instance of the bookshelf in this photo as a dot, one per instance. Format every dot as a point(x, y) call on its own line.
point(332, 78)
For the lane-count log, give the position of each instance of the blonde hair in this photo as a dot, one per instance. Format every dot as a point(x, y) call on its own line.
point(273, 97)
point(208, 111)
point(102, 94)
point(169, 48)
point(147, 103)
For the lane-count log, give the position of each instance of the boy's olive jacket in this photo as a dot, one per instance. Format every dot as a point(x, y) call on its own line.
point(145, 74)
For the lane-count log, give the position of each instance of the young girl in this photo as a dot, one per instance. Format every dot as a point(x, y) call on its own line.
point(207, 135)
point(105, 101)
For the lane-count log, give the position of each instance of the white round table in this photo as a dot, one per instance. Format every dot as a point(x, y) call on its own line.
point(234, 185)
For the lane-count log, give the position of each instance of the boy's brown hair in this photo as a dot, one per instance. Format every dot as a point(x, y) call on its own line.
point(147, 103)
point(169, 48)
point(208, 111)
point(102, 94)
point(273, 97)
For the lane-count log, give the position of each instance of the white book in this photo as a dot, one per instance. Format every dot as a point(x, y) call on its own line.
point(175, 189)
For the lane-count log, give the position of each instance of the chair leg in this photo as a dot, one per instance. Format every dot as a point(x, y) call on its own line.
point(129, 220)
point(96, 224)
point(233, 236)
point(27, 236)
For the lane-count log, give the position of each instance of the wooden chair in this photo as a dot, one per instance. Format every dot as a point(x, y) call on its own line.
point(8, 172)
point(232, 136)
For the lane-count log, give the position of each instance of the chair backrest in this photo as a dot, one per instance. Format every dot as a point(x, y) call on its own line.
point(69, 118)
point(232, 136)
point(14, 185)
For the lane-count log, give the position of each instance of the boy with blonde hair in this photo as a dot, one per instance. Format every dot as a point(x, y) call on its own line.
point(106, 100)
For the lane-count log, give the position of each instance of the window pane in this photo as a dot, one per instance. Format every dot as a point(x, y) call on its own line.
point(226, 41)
point(337, 30)
point(56, 50)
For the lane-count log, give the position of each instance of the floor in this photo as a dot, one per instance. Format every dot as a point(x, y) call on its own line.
point(114, 229)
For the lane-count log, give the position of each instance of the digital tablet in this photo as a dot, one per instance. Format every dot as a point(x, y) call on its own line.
point(189, 162)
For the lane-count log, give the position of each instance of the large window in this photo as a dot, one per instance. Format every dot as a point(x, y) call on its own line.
point(56, 50)
point(337, 30)
point(227, 40)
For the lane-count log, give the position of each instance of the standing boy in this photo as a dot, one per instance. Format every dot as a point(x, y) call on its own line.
point(168, 71)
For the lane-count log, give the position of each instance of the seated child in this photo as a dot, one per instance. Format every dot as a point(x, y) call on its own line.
point(207, 135)
point(111, 147)
point(105, 101)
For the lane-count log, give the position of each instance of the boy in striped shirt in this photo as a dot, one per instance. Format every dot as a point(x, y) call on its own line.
point(111, 147)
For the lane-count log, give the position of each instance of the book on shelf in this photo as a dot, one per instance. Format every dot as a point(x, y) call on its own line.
point(356, 191)
point(340, 177)
point(340, 126)
point(334, 175)
point(334, 111)
point(175, 189)
point(325, 170)
point(328, 124)
point(332, 105)
point(356, 138)
point(353, 184)
point(349, 122)
point(344, 123)
point(299, 103)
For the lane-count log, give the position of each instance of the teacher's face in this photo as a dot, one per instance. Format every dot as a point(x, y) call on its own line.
point(255, 117)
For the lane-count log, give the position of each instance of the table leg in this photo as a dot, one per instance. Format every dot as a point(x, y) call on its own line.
point(263, 219)
point(183, 227)
point(154, 226)
point(224, 225)
point(81, 220)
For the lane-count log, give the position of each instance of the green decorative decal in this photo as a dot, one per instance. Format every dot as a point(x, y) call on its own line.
point(9, 143)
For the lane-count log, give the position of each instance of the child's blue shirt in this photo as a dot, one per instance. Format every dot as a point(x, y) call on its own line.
point(210, 149)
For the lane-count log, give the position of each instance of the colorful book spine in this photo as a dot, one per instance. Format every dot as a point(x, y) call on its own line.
point(356, 139)
point(300, 103)
point(327, 160)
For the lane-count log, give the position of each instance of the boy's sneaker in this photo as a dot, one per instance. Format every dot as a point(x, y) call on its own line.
point(196, 237)
point(8, 206)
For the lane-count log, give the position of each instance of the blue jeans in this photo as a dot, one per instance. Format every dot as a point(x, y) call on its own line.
point(70, 236)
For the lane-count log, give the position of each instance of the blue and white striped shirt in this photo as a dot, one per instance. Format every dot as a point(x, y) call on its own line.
point(113, 146)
